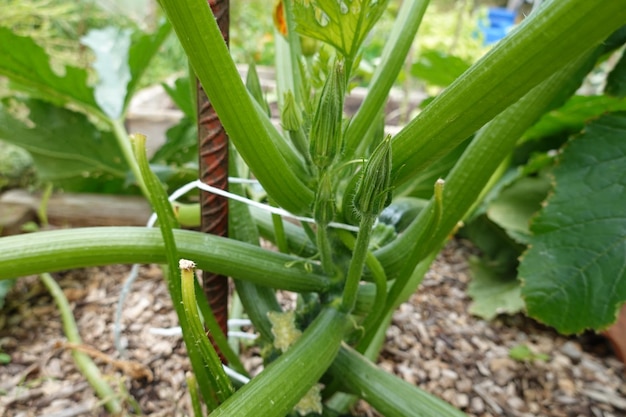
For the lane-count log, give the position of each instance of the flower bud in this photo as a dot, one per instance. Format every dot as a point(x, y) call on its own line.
point(291, 118)
point(373, 193)
point(325, 141)
point(290, 115)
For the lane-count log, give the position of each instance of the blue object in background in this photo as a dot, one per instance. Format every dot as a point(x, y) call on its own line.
point(499, 22)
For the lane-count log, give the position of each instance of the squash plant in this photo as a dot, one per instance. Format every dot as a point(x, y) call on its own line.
point(337, 172)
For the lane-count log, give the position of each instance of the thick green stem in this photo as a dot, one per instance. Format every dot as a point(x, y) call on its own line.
point(324, 212)
point(248, 127)
point(390, 395)
point(258, 300)
point(358, 261)
point(275, 391)
point(194, 395)
point(57, 250)
point(372, 341)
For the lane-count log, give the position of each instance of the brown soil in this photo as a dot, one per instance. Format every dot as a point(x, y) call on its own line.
point(433, 343)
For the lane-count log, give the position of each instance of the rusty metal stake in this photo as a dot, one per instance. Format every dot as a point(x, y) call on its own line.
point(213, 167)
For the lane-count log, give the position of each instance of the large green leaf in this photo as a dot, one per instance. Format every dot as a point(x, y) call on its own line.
point(574, 273)
point(342, 24)
point(63, 143)
point(571, 117)
point(28, 67)
point(110, 46)
point(122, 56)
point(513, 208)
point(494, 287)
point(493, 293)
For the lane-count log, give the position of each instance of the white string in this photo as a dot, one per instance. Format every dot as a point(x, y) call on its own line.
point(178, 331)
point(239, 322)
point(242, 335)
point(236, 375)
point(274, 210)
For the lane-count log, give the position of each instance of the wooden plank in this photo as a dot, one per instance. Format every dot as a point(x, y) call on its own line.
point(81, 210)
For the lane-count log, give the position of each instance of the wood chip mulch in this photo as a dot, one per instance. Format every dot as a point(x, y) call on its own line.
point(433, 343)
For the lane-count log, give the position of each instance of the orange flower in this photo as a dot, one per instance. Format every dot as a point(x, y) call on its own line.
point(279, 17)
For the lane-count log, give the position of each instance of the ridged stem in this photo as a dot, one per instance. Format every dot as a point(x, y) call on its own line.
point(355, 270)
point(388, 394)
point(275, 391)
point(57, 250)
point(222, 388)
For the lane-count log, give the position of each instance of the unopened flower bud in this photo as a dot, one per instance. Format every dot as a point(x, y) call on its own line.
point(325, 142)
point(290, 115)
point(373, 193)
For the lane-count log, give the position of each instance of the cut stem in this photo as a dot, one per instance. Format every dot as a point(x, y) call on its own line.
point(223, 387)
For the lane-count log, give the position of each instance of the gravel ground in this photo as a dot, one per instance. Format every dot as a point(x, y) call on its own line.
point(433, 343)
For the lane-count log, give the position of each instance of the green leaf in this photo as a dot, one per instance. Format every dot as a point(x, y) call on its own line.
point(181, 144)
point(28, 67)
point(493, 293)
point(513, 208)
point(571, 117)
point(110, 46)
point(64, 144)
point(438, 68)
point(343, 25)
point(574, 274)
point(180, 93)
